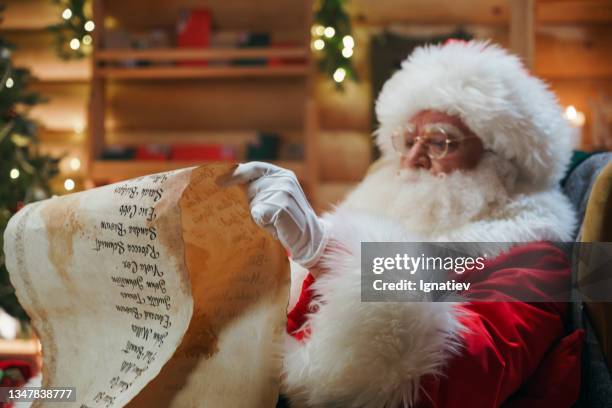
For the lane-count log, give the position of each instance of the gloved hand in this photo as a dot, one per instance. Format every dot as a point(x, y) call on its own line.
point(279, 205)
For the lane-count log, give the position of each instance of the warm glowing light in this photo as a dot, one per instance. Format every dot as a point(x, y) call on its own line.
point(347, 52)
point(348, 41)
point(319, 44)
point(574, 116)
point(317, 30)
point(9, 326)
point(14, 173)
point(329, 32)
point(67, 14)
point(339, 75)
point(87, 39)
point(75, 44)
point(69, 184)
point(10, 83)
point(89, 26)
point(74, 163)
point(78, 127)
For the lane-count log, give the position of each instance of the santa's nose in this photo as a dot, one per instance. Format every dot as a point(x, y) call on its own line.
point(417, 157)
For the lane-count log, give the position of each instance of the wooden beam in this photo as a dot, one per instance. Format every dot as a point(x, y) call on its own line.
point(522, 30)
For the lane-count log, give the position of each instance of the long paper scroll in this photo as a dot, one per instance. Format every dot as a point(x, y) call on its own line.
point(159, 290)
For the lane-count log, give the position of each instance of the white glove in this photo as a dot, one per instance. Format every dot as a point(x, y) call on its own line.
point(279, 205)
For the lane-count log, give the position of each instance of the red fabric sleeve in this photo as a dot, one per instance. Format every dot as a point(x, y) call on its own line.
point(297, 316)
point(505, 342)
point(556, 382)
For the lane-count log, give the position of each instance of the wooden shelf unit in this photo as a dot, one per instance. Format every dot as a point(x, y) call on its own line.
point(293, 65)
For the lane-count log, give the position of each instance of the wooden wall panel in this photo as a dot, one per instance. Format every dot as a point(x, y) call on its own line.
point(574, 11)
point(487, 12)
point(344, 156)
point(256, 104)
point(66, 108)
point(382, 12)
point(35, 50)
point(578, 51)
point(29, 14)
point(332, 193)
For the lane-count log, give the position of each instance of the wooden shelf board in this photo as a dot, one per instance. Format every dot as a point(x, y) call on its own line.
point(237, 136)
point(116, 170)
point(210, 54)
point(203, 72)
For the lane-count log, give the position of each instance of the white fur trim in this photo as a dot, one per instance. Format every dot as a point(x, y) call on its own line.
point(365, 354)
point(545, 215)
point(513, 112)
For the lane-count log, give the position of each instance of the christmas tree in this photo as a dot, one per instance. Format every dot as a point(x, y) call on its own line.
point(24, 171)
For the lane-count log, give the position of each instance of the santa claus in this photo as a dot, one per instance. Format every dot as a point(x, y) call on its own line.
point(473, 149)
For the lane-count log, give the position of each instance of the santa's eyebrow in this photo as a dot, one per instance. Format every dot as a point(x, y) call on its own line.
point(445, 126)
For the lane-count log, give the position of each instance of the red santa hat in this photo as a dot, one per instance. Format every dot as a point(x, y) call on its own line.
point(515, 114)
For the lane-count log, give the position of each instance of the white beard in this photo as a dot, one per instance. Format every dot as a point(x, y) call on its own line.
point(429, 204)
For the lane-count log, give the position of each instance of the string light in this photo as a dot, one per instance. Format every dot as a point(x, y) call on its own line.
point(74, 163)
point(69, 184)
point(332, 25)
point(339, 75)
point(67, 14)
point(87, 39)
point(9, 83)
point(329, 32)
point(348, 41)
point(89, 26)
point(14, 173)
point(75, 44)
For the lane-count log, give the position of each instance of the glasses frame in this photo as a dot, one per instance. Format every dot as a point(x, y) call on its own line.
point(452, 134)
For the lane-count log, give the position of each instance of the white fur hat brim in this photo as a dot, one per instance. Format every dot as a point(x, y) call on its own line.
point(514, 114)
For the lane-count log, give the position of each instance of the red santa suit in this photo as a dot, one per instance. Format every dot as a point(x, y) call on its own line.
point(343, 352)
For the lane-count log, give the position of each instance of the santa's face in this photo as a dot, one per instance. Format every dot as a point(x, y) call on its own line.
point(439, 143)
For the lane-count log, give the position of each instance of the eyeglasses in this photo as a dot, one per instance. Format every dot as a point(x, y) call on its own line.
point(440, 139)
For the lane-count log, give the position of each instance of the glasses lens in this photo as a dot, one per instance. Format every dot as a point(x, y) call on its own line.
point(437, 144)
point(403, 139)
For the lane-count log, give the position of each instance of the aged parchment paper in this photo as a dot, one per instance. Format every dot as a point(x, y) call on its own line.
point(159, 290)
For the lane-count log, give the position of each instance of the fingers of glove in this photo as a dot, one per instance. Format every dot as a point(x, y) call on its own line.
point(281, 181)
point(279, 209)
point(247, 172)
